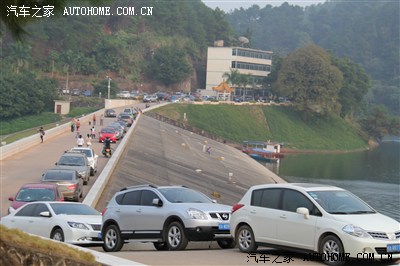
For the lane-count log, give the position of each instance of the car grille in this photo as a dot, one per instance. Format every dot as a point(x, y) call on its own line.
point(384, 236)
point(223, 216)
point(96, 227)
point(384, 251)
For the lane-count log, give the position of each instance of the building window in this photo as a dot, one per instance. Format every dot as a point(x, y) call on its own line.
point(251, 54)
point(250, 66)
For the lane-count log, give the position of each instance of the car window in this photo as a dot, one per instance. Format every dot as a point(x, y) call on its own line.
point(40, 207)
point(73, 209)
point(267, 198)
point(26, 210)
point(87, 152)
point(131, 198)
point(293, 199)
point(147, 198)
point(58, 175)
point(180, 195)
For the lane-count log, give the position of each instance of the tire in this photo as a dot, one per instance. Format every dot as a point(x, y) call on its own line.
point(160, 246)
point(92, 172)
point(175, 236)
point(226, 243)
point(331, 244)
point(57, 234)
point(112, 239)
point(245, 239)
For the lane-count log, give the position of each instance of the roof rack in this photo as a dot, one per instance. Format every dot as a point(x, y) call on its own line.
point(138, 186)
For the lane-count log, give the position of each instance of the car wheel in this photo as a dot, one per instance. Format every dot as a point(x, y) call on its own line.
point(85, 182)
point(331, 245)
point(91, 171)
point(160, 245)
point(245, 239)
point(57, 234)
point(176, 238)
point(226, 243)
point(112, 239)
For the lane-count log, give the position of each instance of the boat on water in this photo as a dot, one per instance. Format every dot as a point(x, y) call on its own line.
point(270, 151)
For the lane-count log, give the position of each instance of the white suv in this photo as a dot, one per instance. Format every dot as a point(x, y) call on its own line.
point(168, 216)
point(313, 218)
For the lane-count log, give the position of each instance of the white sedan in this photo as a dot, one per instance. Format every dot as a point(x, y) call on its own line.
point(70, 222)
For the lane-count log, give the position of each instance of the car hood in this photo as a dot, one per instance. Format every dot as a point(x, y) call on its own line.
point(371, 222)
point(89, 219)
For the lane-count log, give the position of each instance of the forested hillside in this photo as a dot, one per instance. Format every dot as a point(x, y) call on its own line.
point(365, 31)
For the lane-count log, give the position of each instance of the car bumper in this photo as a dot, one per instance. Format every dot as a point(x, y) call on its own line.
point(364, 248)
point(82, 237)
point(204, 230)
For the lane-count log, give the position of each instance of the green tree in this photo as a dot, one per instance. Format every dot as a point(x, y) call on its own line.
point(377, 122)
point(356, 85)
point(310, 81)
point(170, 65)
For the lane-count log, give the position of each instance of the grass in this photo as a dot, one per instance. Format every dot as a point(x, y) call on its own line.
point(21, 127)
point(275, 123)
point(18, 238)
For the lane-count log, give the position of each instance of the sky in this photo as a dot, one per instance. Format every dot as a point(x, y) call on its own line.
point(230, 5)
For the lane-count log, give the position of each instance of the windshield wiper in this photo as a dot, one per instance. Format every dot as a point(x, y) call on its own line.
point(339, 213)
point(361, 212)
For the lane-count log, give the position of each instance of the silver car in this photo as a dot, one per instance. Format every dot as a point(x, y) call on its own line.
point(91, 156)
point(75, 160)
point(168, 216)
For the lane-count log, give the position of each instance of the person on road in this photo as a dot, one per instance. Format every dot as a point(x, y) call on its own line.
point(80, 141)
point(107, 144)
point(101, 119)
point(88, 140)
point(94, 119)
point(41, 133)
point(78, 125)
point(93, 133)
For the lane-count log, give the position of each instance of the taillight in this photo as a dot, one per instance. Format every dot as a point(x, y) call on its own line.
point(236, 207)
point(71, 187)
point(103, 212)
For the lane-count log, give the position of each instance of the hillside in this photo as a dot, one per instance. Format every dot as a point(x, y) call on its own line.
point(275, 123)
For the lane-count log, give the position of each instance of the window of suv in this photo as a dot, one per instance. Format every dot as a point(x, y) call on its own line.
point(129, 198)
point(147, 197)
point(180, 195)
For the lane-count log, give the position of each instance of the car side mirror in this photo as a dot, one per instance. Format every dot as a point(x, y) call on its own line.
point(45, 214)
point(303, 211)
point(56, 163)
point(157, 202)
point(11, 198)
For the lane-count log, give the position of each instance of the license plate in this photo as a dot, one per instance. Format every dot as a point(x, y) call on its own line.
point(99, 235)
point(223, 226)
point(393, 248)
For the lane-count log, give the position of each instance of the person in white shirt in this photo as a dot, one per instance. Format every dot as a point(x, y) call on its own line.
point(80, 141)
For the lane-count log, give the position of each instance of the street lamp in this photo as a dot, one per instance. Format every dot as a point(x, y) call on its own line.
point(109, 79)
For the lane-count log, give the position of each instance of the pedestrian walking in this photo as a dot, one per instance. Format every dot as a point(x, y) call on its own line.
point(101, 119)
point(78, 125)
point(93, 132)
point(41, 133)
point(88, 140)
point(80, 141)
point(94, 119)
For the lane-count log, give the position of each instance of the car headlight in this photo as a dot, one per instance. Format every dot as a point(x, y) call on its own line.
point(356, 231)
point(78, 225)
point(196, 214)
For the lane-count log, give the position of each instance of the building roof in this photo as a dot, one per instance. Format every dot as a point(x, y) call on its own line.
point(223, 87)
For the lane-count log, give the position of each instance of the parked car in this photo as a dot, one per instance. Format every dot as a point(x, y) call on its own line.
point(110, 113)
point(91, 156)
point(126, 118)
point(316, 218)
point(74, 223)
point(124, 94)
point(108, 132)
point(170, 216)
point(118, 129)
point(75, 92)
point(35, 192)
point(121, 126)
point(87, 93)
point(150, 98)
point(75, 161)
point(68, 180)
point(122, 123)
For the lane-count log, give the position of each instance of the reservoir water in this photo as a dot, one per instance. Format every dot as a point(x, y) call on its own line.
point(372, 175)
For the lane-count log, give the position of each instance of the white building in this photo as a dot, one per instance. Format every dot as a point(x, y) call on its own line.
point(221, 60)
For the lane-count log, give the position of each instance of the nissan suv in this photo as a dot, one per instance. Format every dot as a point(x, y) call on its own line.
point(325, 221)
point(168, 216)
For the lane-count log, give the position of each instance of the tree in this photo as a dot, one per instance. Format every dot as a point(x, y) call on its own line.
point(356, 85)
point(377, 122)
point(170, 65)
point(310, 81)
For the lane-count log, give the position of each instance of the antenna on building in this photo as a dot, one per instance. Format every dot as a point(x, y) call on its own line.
point(243, 40)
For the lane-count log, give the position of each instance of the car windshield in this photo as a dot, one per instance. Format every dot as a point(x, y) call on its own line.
point(108, 130)
point(35, 194)
point(71, 160)
point(73, 209)
point(184, 195)
point(87, 152)
point(58, 176)
point(340, 202)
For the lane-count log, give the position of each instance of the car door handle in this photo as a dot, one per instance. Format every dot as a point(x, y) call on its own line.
point(253, 212)
point(283, 216)
point(139, 211)
point(118, 211)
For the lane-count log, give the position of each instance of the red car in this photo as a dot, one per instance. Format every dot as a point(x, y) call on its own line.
point(108, 132)
point(35, 192)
